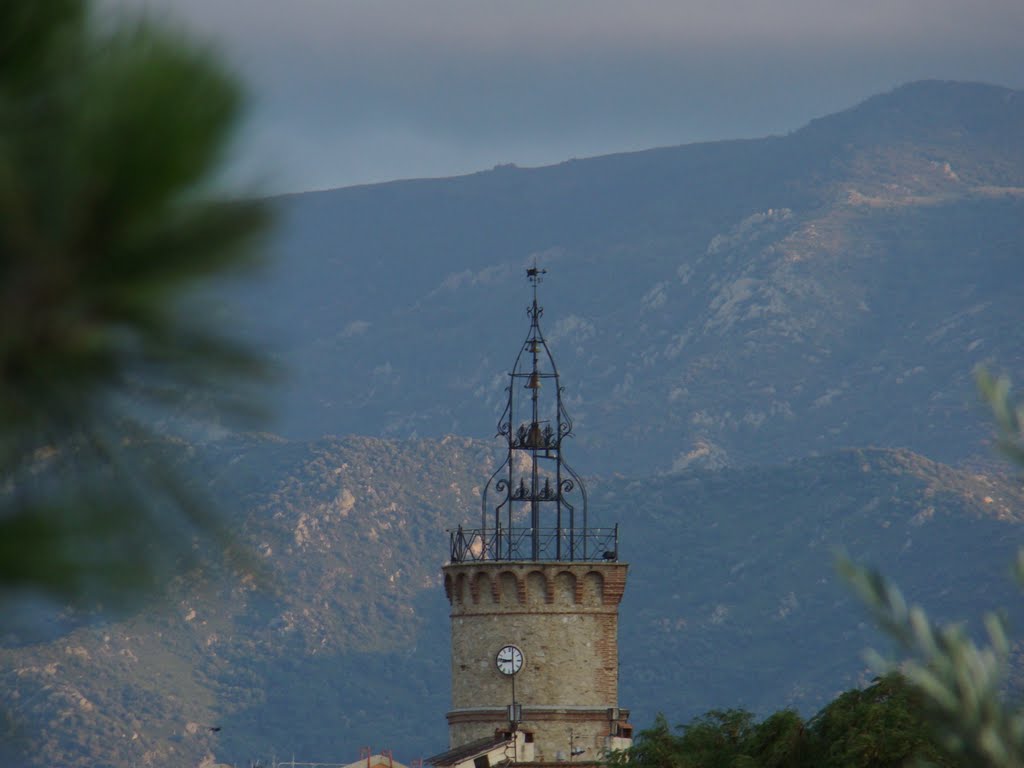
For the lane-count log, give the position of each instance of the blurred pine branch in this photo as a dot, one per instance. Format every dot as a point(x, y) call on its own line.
point(110, 133)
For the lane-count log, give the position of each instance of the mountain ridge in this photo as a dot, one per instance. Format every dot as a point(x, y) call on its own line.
point(727, 295)
point(880, 103)
point(731, 321)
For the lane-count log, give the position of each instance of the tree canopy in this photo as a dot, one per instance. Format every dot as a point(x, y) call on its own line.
point(881, 726)
point(111, 133)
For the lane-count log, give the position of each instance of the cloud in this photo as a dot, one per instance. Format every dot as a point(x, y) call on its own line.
point(376, 28)
point(486, 276)
point(355, 328)
point(366, 90)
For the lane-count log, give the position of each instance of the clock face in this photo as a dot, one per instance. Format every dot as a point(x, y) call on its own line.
point(509, 660)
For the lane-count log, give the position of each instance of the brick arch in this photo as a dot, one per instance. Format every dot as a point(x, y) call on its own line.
point(593, 588)
point(481, 587)
point(459, 589)
point(511, 589)
point(565, 588)
point(537, 588)
point(448, 586)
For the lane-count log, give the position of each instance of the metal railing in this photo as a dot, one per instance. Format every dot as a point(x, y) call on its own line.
point(560, 544)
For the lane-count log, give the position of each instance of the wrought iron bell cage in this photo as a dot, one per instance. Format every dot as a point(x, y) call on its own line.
point(539, 507)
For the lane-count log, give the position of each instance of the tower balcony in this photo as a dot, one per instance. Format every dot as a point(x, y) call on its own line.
point(534, 544)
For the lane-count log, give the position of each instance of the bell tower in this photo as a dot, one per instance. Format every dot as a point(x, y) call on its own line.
point(535, 590)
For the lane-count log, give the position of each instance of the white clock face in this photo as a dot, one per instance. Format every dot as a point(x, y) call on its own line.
point(509, 660)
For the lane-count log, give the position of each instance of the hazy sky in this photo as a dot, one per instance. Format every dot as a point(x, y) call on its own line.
point(352, 91)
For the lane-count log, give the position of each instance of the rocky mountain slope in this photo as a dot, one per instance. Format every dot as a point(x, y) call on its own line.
point(724, 303)
point(726, 318)
point(342, 641)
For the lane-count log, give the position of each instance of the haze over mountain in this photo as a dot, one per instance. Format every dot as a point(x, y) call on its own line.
point(738, 301)
point(727, 319)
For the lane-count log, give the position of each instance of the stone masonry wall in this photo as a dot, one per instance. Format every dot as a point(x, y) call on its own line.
point(564, 617)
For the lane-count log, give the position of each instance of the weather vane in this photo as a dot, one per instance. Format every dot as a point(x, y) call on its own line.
point(536, 276)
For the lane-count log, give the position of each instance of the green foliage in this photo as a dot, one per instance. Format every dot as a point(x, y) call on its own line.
point(780, 740)
point(1008, 413)
point(109, 133)
point(880, 726)
point(960, 682)
point(717, 739)
point(655, 747)
point(727, 738)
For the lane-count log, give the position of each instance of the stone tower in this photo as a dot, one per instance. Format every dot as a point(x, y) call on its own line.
point(535, 590)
